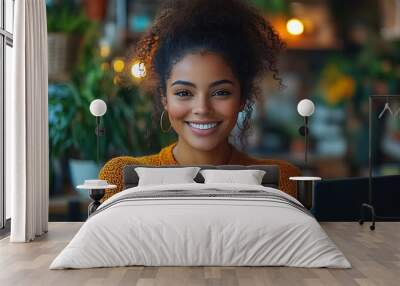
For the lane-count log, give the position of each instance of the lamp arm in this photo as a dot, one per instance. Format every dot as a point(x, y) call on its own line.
point(306, 139)
point(97, 139)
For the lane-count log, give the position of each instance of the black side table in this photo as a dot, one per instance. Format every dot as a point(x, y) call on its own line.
point(97, 189)
point(305, 190)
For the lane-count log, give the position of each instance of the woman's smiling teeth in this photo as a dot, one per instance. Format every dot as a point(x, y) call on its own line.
point(203, 126)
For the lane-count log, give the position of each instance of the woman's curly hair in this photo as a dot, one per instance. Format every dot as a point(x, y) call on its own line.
point(230, 28)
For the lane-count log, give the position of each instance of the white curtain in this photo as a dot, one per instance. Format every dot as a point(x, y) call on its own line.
point(27, 151)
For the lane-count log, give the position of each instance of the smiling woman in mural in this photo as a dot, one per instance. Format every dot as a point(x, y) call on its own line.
point(203, 59)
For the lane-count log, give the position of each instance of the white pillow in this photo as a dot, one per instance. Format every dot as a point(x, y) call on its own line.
point(162, 176)
point(248, 177)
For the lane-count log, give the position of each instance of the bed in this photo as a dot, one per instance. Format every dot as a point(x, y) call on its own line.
point(201, 224)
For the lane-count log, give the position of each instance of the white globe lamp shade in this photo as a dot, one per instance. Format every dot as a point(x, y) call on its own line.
point(98, 107)
point(305, 107)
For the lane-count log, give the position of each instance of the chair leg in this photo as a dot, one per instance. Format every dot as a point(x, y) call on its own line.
point(362, 219)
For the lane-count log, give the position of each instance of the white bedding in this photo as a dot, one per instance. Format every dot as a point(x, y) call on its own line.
point(182, 231)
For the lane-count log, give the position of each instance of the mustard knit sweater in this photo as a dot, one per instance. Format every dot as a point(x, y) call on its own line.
point(112, 170)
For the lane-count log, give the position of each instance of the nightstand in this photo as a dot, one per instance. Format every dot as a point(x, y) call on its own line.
point(305, 190)
point(97, 189)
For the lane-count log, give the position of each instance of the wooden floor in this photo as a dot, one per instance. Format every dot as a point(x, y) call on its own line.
point(375, 257)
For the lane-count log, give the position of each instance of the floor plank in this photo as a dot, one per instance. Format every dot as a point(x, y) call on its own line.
point(374, 255)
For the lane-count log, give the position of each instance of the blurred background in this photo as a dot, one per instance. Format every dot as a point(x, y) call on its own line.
point(338, 54)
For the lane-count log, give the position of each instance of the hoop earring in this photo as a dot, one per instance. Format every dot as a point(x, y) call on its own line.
point(161, 123)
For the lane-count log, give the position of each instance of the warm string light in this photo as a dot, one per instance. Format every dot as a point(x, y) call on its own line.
point(295, 27)
point(118, 65)
point(105, 50)
point(138, 70)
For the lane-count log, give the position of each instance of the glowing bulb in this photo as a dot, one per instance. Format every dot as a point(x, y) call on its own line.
point(305, 107)
point(138, 70)
point(295, 27)
point(98, 107)
point(118, 65)
point(105, 50)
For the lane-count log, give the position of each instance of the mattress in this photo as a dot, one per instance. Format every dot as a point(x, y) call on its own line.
point(201, 225)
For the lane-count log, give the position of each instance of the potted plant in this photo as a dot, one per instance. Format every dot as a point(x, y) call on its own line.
point(65, 25)
point(72, 126)
point(95, 9)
